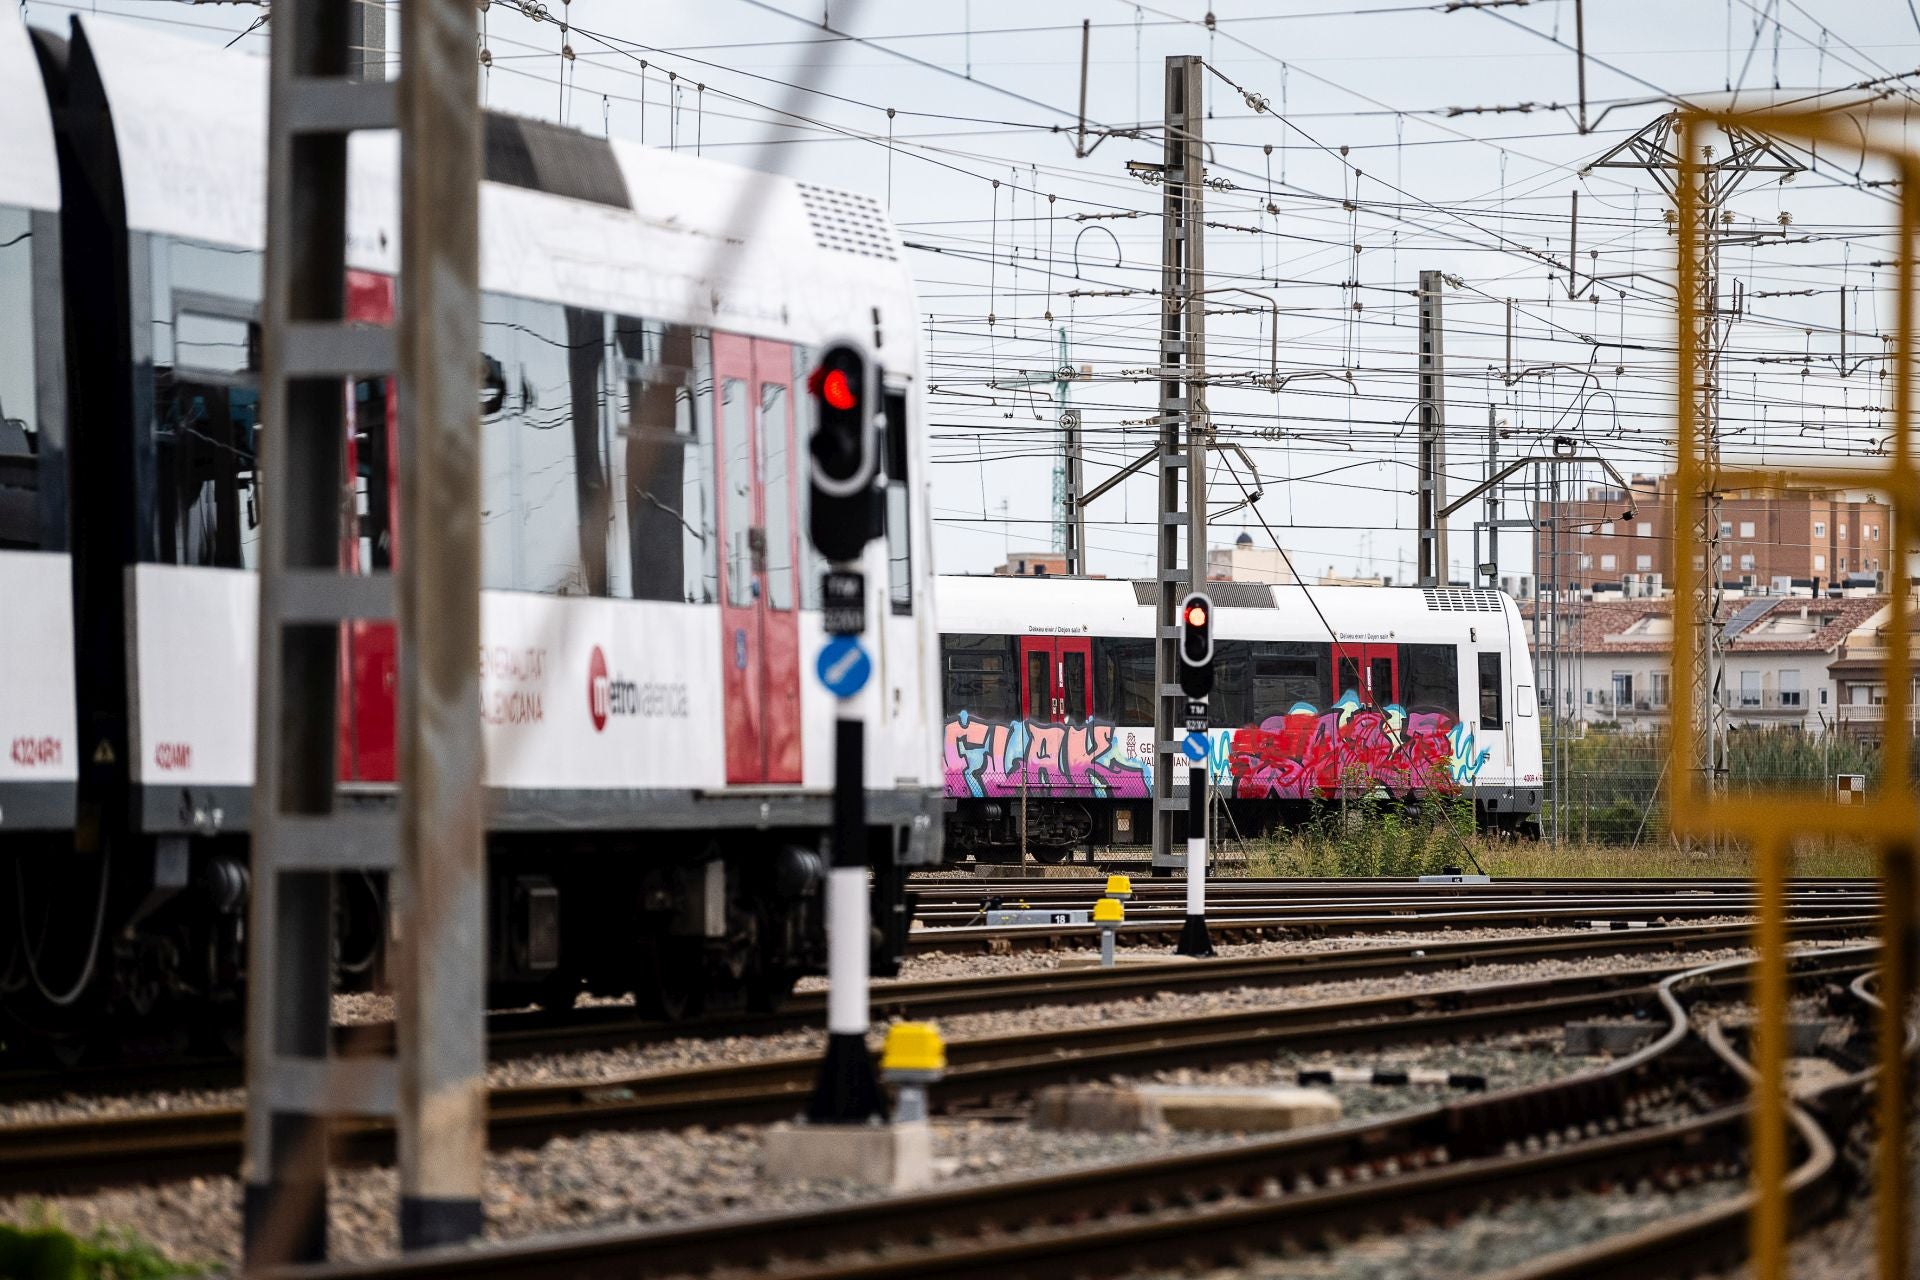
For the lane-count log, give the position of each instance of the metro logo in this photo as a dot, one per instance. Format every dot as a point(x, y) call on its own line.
point(597, 692)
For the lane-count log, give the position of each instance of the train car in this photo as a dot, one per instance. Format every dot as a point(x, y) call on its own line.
point(657, 766)
point(1319, 693)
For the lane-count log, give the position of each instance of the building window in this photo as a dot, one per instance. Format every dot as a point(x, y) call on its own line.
point(1746, 562)
point(1823, 697)
point(1607, 562)
point(1643, 563)
point(1606, 529)
point(1589, 693)
point(1586, 562)
point(1871, 532)
point(1622, 689)
point(1657, 688)
point(1819, 562)
point(1726, 528)
point(1749, 688)
point(1789, 688)
point(1643, 530)
point(1819, 529)
point(1840, 565)
point(1746, 528)
point(1726, 562)
point(1840, 532)
point(1699, 562)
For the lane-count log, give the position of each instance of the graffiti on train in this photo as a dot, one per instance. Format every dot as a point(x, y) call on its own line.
point(1306, 753)
point(985, 758)
point(1353, 746)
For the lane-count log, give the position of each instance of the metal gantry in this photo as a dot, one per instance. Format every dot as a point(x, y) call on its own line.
point(1182, 454)
point(305, 833)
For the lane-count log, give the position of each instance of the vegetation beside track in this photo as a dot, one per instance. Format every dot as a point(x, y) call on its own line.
point(44, 1250)
point(1373, 837)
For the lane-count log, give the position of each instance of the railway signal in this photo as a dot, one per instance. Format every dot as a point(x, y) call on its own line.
point(845, 510)
point(842, 521)
point(1195, 624)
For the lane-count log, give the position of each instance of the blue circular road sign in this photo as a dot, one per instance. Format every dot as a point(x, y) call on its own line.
point(844, 666)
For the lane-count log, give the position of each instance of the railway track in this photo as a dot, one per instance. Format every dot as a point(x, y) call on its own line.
point(1222, 1204)
point(520, 1035)
point(75, 1155)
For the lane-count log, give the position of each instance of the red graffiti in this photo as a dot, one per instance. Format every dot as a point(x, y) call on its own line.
point(1307, 754)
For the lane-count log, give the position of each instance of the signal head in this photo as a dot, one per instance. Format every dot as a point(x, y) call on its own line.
point(1196, 645)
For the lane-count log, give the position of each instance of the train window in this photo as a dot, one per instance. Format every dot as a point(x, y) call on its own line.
point(1073, 685)
point(1492, 716)
point(776, 487)
point(663, 412)
point(1123, 681)
point(899, 508)
point(206, 404)
point(1430, 677)
point(810, 563)
point(1350, 681)
point(736, 453)
point(1286, 674)
point(1228, 703)
point(19, 422)
point(541, 450)
point(373, 476)
point(1038, 704)
point(978, 677)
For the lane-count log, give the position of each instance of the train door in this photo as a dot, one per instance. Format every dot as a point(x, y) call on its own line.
point(1055, 683)
point(759, 573)
point(370, 650)
point(1369, 671)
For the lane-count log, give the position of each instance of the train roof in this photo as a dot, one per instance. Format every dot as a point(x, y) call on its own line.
point(564, 216)
point(29, 168)
point(1244, 610)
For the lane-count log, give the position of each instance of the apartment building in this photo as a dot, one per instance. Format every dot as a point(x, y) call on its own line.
point(1768, 542)
point(1613, 662)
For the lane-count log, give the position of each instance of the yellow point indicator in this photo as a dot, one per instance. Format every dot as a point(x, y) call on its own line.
point(1108, 910)
point(1118, 885)
point(914, 1046)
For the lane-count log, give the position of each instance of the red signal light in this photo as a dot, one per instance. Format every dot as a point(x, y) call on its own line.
point(1196, 615)
point(833, 386)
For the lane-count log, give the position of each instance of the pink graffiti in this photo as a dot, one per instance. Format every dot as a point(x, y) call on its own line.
point(1306, 754)
point(985, 758)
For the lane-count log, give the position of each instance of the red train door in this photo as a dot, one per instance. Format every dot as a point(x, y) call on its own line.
point(370, 651)
point(1055, 679)
point(759, 562)
point(1370, 671)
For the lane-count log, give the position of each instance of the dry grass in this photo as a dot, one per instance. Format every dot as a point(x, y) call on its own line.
point(1516, 860)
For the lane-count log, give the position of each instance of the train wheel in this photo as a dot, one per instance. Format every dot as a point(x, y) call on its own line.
point(671, 982)
point(769, 988)
point(1053, 857)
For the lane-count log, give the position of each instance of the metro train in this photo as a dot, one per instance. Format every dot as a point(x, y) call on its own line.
point(658, 772)
point(1319, 692)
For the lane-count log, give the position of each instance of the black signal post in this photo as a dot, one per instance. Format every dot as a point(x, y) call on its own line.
point(1196, 681)
point(842, 521)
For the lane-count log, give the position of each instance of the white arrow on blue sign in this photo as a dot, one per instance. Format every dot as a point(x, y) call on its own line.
point(1195, 745)
point(844, 666)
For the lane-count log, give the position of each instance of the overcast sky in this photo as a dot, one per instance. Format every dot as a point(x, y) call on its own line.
point(1355, 103)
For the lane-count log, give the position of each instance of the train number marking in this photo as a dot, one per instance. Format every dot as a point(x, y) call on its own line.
point(32, 753)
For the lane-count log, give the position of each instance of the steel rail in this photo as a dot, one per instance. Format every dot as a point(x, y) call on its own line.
point(1181, 1209)
point(147, 1147)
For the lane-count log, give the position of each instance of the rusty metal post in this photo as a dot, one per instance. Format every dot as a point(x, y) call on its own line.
point(442, 1014)
point(1768, 1224)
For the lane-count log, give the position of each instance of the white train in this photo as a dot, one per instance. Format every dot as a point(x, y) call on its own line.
point(657, 764)
point(1318, 692)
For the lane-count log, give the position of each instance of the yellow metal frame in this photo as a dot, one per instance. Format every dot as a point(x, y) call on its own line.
point(1770, 824)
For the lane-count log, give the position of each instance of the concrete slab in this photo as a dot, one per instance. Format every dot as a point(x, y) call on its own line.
point(896, 1157)
point(1583, 1039)
point(1132, 957)
point(1212, 1110)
